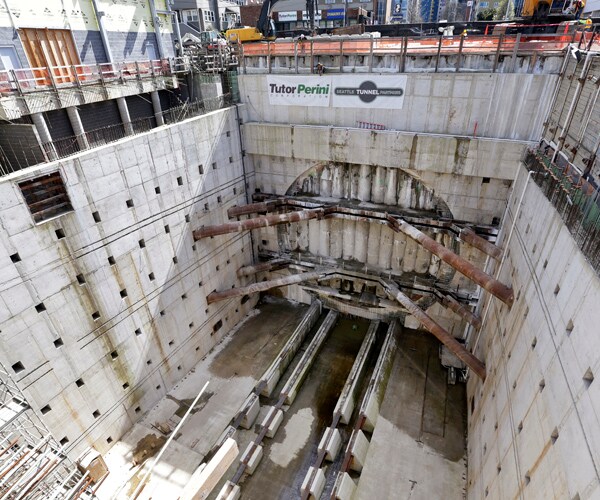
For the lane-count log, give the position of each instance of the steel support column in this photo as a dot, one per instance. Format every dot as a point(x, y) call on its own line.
point(263, 267)
point(469, 236)
point(266, 221)
point(463, 266)
point(263, 285)
point(440, 333)
point(454, 305)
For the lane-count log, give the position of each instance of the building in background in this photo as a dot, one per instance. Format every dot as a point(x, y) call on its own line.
point(67, 73)
point(592, 8)
point(88, 31)
point(207, 15)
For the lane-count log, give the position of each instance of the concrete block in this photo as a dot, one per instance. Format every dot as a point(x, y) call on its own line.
point(331, 442)
point(251, 407)
point(229, 432)
point(359, 451)
point(271, 381)
point(313, 485)
point(345, 487)
point(229, 491)
point(371, 413)
point(206, 477)
point(276, 417)
point(252, 458)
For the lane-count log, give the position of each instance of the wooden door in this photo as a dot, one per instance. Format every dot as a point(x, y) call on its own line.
point(51, 49)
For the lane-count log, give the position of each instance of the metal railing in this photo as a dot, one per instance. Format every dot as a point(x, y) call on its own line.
point(196, 108)
point(61, 148)
point(576, 199)
point(435, 47)
point(55, 77)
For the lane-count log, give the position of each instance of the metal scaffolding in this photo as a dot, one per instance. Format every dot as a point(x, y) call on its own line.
point(32, 464)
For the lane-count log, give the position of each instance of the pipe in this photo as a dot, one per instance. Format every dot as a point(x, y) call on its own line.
point(43, 132)
point(155, 21)
point(253, 208)
point(469, 236)
point(463, 266)
point(103, 33)
point(440, 333)
point(454, 305)
point(263, 285)
point(125, 116)
point(171, 437)
point(77, 126)
point(264, 267)
point(573, 106)
point(266, 221)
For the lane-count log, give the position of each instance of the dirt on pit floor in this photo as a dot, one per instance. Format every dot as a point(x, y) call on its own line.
point(250, 350)
point(145, 448)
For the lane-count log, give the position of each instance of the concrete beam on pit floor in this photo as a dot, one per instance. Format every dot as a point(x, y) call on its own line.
point(347, 400)
point(206, 478)
point(271, 376)
point(292, 386)
point(369, 408)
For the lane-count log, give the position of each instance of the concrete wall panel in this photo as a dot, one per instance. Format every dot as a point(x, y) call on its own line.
point(545, 431)
point(153, 322)
point(470, 105)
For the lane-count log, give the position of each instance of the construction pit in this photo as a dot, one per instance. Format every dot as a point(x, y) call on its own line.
point(386, 299)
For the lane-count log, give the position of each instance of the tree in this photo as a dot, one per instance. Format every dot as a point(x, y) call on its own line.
point(454, 11)
point(413, 12)
point(501, 10)
point(486, 14)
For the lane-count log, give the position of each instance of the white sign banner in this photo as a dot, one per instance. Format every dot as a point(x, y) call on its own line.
point(369, 91)
point(299, 90)
point(317, 15)
point(338, 91)
point(287, 16)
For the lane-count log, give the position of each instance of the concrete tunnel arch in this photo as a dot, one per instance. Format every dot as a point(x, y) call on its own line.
point(375, 185)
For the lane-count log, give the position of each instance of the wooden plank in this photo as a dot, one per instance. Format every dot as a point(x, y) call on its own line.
point(206, 478)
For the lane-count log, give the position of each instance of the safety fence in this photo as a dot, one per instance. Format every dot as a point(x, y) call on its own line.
point(434, 47)
point(44, 78)
point(22, 155)
point(576, 199)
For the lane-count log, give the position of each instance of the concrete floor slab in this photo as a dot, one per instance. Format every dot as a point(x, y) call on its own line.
point(417, 449)
point(175, 469)
point(233, 368)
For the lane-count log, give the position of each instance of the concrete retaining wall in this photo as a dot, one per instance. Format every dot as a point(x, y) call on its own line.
point(506, 106)
point(471, 176)
point(136, 202)
point(534, 429)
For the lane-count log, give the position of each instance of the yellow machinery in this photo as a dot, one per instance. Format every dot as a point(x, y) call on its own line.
point(541, 9)
point(265, 27)
point(246, 34)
